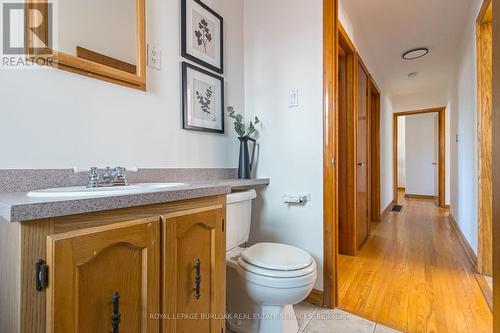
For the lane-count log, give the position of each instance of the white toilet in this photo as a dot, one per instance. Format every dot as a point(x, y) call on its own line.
point(265, 280)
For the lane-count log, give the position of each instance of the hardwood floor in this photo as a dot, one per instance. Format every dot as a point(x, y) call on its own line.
point(413, 275)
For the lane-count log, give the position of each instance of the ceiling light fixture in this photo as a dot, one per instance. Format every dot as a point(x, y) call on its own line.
point(412, 75)
point(415, 53)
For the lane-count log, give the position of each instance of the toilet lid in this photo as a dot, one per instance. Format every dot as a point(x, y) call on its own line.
point(274, 256)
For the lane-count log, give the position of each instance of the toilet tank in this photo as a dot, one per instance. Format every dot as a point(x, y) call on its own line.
point(238, 218)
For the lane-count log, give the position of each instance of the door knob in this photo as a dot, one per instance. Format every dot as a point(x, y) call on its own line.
point(361, 164)
point(434, 163)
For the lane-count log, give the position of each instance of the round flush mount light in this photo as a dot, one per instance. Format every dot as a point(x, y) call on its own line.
point(415, 53)
point(412, 75)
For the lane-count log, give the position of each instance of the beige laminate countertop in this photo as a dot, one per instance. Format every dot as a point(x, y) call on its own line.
point(18, 207)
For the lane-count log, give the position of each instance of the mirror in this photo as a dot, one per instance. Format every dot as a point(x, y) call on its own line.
point(104, 39)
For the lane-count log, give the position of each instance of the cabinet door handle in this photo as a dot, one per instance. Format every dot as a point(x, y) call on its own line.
point(115, 316)
point(197, 279)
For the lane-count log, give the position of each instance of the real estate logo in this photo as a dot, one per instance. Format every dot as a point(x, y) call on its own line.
point(27, 34)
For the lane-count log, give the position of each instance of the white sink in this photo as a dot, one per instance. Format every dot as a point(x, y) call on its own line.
point(82, 191)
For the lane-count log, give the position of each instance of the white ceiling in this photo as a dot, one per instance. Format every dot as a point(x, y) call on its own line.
point(387, 28)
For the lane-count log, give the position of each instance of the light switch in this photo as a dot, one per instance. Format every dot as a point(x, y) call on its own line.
point(293, 98)
point(154, 57)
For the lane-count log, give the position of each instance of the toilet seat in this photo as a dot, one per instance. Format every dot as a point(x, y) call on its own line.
point(276, 256)
point(280, 256)
point(276, 260)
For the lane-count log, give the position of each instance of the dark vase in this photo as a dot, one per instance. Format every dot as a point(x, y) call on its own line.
point(246, 161)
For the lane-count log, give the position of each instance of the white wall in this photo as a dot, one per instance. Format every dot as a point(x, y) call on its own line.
point(463, 91)
point(421, 146)
point(429, 100)
point(386, 109)
point(402, 152)
point(280, 57)
point(56, 119)
point(386, 153)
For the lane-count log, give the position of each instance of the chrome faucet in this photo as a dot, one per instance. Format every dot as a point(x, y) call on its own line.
point(111, 177)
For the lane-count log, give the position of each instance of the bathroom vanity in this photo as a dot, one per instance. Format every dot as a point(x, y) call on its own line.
point(157, 267)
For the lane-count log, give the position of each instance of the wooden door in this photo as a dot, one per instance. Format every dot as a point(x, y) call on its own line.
point(362, 220)
point(194, 271)
point(87, 267)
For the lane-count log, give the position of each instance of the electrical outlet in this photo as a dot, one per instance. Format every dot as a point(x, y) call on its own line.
point(154, 57)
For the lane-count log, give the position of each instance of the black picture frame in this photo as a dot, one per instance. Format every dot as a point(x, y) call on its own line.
point(184, 41)
point(185, 104)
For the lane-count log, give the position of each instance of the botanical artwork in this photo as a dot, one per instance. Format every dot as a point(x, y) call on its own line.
point(203, 99)
point(203, 39)
point(202, 35)
point(204, 94)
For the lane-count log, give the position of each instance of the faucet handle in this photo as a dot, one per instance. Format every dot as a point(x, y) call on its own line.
point(93, 177)
point(120, 173)
point(119, 176)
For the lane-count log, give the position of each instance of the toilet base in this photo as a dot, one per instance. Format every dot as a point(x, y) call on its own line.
point(268, 319)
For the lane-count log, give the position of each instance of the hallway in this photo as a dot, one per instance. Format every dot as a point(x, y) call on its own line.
point(414, 275)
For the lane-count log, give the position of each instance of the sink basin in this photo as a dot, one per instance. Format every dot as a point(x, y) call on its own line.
point(82, 191)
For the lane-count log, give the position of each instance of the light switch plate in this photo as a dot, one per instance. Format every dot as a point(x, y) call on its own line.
point(293, 98)
point(154, 57)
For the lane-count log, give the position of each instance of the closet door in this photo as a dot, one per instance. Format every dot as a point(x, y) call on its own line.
point(362, 218)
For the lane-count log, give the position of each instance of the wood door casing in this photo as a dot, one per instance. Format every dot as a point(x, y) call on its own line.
point(362, 177)
point(194, 235)
point(375, 151)
point(87, 266)
point(347, 122)
point(484, 35)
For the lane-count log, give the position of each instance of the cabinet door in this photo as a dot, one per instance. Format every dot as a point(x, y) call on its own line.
point(87, 267)
point(195, 270)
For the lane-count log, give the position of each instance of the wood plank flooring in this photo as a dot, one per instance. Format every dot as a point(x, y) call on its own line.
point(414, 275)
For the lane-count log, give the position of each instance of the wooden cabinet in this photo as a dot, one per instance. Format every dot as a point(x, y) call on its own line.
point(165, 261)
point(105, 277)
point(194, 266)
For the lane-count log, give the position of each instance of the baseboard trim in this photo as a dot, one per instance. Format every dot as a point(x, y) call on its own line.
point(315, 297)
point(420, 196)
point(465, 244)
point(485, 288)
point(387, 209)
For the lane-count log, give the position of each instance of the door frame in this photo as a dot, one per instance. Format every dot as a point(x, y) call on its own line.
point(347, 146)
point(330, 175)
point(442, 151)
point(484, 137)
point(496, 169)
point(376, 214)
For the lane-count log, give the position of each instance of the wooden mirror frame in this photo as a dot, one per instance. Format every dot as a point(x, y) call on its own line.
point(86, 67)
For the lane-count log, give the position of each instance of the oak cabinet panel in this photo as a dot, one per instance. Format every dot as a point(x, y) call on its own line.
point(194, 255)
point(87, 267)
point(147, 254)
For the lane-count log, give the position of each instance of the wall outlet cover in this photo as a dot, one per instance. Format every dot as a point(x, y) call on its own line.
point(154, 57)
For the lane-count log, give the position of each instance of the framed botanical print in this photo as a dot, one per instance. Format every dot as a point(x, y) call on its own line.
point(202, 100)
point(202, 35)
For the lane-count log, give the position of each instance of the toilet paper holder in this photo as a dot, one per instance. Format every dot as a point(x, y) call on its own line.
point(299, 199)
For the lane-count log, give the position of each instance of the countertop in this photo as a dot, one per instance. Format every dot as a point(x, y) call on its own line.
point(18, 207)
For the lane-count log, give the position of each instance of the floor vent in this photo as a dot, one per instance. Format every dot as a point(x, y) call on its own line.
point(397, 208)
